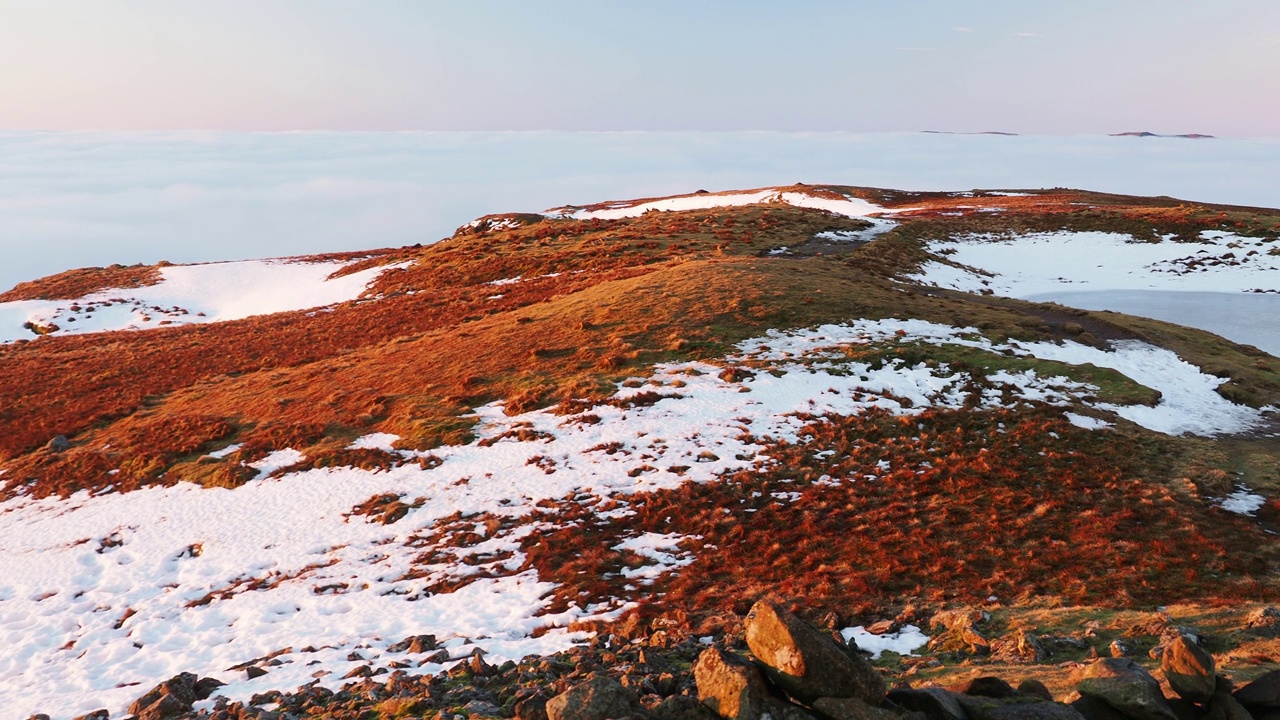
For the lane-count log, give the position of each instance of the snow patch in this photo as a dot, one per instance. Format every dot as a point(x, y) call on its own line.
point(904, 642)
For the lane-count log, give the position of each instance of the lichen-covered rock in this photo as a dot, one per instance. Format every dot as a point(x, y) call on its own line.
point(852, 709)
point(1126, 686)
point(1263, 692)
point(935, 703)
point(600, 698)
point(806, 663)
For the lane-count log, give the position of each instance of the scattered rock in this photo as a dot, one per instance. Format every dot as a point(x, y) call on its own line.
point(59, 443)
point(1126, 686)
point(253, 671)
point(935, 703)
point(806, 663)
point(1189, 670)
point(414, 644)
point(599, 698)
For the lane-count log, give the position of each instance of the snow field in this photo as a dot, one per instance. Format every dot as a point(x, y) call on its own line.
point(1026, 265)
point(103, 596)
point(847, 206)
point(187, 294)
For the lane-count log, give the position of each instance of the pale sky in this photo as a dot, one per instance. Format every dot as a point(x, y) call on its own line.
point(1055, 67)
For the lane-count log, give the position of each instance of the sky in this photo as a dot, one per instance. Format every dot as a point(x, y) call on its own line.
point(1050, 67)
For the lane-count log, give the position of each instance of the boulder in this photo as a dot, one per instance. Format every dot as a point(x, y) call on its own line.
point(1189, 669)
point(1015, 708)
point(852, 709)
point(600, 698)
point(1094, 709)
point(1121, 648)
point(95, 715)
point(934, 703)
point(1222, 706)
point(1263, 692)
point(986, 686)
point(1034, 688)
point(733, 687)
point(806, 663)
point(1126, 686)
point(59, 443)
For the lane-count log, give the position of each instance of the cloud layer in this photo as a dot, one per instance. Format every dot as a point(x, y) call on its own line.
point(96, 198)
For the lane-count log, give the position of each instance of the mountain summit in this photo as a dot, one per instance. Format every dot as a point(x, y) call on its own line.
point(564, 432)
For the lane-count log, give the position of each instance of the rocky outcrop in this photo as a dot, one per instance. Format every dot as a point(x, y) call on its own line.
point(173, 697)
point(806, 663)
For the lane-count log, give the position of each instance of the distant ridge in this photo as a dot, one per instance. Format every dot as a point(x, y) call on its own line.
point(1144, 133)
point(984, 132)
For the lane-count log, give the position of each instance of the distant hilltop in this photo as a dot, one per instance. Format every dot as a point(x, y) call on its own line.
point(1144, 133)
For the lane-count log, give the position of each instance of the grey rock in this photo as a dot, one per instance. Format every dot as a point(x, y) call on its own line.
point(59, 443)
point(935, 703)
point(852, 709)
point(1015, 708)
point(1263, 692)
point(1126, 686)
point(600, 698)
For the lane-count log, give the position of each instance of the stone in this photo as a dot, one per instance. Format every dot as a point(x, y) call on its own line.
point(1121, 648)
point(58, 444)
point(532, 706)
point(1189, 670)
point(1263, 692)
point(935, 703)
point(600, 698)
point(414, 644)
point(1034, 688)
point(253, 671)
point(851, 709)
point(806, 663)
point(99, 714)
point(731, 686)
point(1126, 686)
point(986, 686)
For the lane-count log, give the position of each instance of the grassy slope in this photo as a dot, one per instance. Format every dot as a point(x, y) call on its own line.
point(602, 301)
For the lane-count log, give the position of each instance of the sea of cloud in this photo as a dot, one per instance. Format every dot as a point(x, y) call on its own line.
point(73, 199)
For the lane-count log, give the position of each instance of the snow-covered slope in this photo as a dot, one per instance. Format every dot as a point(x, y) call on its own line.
point(188, 294)
point(1024, 265)
point(106, 594)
